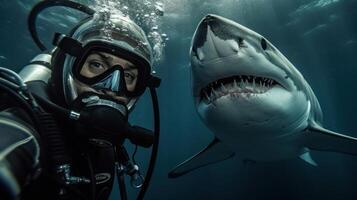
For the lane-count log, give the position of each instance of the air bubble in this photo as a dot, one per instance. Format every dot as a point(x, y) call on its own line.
point(159, 10)
point(154, 28)
point(146, 13)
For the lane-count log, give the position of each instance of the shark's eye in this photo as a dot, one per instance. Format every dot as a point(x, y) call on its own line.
point(264, 44)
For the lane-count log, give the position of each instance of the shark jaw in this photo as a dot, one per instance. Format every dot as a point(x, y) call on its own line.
point(235, 87)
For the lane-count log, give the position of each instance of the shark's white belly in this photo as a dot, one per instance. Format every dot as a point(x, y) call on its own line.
point(274, 139)
point(267, 145)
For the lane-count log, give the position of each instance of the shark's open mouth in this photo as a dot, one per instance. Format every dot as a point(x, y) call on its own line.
point(235, 86)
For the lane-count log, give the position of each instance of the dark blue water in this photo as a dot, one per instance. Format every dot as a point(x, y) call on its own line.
point(318, 36)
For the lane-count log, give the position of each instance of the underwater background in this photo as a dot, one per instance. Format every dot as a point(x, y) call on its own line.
point(318, 36)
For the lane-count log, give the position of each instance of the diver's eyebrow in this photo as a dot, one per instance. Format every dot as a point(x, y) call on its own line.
point(104, 57)
point(131, 66)
point(107, 59)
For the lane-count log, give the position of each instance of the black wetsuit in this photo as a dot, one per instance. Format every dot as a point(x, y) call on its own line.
point(89, 157)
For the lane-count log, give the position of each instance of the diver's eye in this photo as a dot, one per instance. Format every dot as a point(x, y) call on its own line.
point(129, 77)
point(96, 64)
point(264, 44)
point(96, 67)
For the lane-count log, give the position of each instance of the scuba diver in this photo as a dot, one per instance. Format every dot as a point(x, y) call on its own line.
point(64, 117)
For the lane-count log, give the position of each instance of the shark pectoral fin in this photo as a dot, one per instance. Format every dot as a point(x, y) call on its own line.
point(213, 153)
point(321, 139)
point(307, 158)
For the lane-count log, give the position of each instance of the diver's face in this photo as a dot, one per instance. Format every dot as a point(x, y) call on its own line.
point(99, 62)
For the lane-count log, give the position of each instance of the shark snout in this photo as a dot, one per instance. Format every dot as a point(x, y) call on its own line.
point(209, 18)
point(202, 32)
point(211, 40)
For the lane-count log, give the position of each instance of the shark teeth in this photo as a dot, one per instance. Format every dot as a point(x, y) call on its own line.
point(224, 89)
point(207, 96)
point(236, 86)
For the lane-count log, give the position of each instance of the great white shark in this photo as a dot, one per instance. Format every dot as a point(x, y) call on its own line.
point(257, 104)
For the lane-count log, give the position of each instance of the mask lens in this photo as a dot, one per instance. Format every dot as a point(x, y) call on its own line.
point(98, 60)
point(113, 81)
point(105, 71)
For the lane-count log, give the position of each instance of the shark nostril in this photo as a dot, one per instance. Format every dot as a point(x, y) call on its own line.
point(205, 22)
point(209, 17)
point(240, 41)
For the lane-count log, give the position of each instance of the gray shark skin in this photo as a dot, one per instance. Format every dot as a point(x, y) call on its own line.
point(258, 105)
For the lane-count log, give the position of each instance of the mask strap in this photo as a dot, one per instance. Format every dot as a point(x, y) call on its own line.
point(43, 5)
point(153, 81)
point(68, 44)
